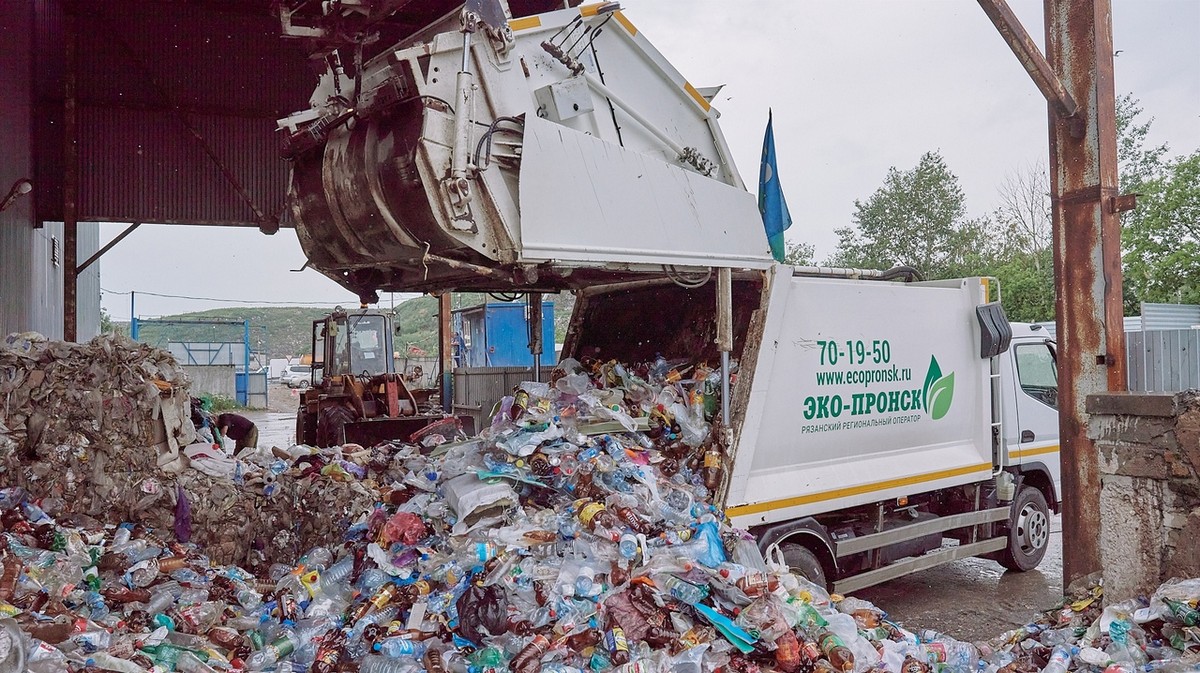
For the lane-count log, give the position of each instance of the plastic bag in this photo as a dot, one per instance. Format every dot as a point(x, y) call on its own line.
point(482, 612)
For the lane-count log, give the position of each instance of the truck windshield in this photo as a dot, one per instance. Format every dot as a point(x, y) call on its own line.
point(360, 345)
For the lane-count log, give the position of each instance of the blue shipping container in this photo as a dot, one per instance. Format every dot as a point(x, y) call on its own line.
point(497, 335)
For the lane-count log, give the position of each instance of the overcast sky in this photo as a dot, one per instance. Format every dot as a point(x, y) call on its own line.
point(856, 87)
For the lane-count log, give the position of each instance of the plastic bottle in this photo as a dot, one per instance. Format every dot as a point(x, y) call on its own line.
point(92, 640)
point(189, 663)
point(836, 651)
point(787, 652)
point(530, 656)
point(682, 589)
point(628, 546)
point(107, 662)
point(373, 663)
point(279, 648)
point(398, 646)
point(1060, 659)
point(317, 557)
point(1182, 612)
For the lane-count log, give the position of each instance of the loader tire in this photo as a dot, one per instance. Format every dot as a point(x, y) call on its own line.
point(330, 422)
point(305, 433)
point(1028, 531)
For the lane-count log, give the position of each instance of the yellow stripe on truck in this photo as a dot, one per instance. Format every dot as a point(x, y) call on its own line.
point(625, 22)
point(687, 86)
point(1033, 452)
point(769, 505)
point(525, 23)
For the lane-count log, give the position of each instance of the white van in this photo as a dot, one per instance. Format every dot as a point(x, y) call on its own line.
point(297, 376)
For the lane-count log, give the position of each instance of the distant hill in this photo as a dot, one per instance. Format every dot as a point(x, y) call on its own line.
point(284, 331)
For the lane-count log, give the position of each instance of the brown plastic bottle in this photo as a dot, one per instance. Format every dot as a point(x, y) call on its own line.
point(757, 583)
point(617, 645)
point(712, 468)
point(635, 522)
point(787, 652)
point(836, 652)
point(433, 661)
point(8, 580)
point(914, 665)
point(382, 597)
point(330, 652)
point(529, 659)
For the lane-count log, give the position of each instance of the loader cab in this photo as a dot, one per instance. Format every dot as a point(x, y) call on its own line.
point(1030, 407)
point(356, 344)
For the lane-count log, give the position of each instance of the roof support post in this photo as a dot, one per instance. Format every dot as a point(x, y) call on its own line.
point(1087, 258)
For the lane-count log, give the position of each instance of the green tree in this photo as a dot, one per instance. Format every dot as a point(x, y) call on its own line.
point(1023, 261)
point(917, 218)
point(799, 254)
point(1026, 285)
point(1161, 237)
point(1136, 163)
point(107, 326)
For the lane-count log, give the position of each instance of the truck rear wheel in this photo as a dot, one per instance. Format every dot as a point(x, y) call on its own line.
point(1028, 531)
point(804, 563)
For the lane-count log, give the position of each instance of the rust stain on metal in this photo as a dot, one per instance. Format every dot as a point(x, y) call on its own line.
point(1122, 203)
point(1087, 257)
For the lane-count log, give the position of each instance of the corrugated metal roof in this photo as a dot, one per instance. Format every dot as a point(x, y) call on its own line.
point(144, 166)
point(134, 52)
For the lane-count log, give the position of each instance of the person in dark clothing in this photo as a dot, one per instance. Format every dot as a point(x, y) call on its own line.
point(240, 429)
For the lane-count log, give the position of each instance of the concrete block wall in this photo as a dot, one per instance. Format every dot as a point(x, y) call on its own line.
point(1149, 446)
point(213, 379)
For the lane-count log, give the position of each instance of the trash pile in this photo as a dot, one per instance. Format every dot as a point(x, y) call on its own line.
point(110, 394)
point(575, 534)
point(1161, 635)
point(105, 429)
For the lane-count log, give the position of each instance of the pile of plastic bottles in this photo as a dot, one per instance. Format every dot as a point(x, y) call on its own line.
point(575, 535)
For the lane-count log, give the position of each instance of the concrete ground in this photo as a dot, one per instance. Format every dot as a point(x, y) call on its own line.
point(971, 599)
point(974, 599)
point(277, 423)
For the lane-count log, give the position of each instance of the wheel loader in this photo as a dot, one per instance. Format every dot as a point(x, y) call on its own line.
point(357, 396)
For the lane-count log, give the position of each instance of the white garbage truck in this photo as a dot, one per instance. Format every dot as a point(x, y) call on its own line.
point(872, 424)
point(878, 427)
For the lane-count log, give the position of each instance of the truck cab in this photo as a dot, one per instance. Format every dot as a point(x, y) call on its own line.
point(1030, 409)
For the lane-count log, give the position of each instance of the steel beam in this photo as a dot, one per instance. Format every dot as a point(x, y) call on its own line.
point(445, 352)
point(70, 181)
point(1087, 258)
point(1030, 56)
point(108, 246)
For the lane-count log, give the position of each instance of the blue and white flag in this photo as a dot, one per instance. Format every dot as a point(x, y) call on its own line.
point(771, 204)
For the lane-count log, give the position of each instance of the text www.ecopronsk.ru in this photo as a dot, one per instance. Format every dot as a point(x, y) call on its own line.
point(865, 377)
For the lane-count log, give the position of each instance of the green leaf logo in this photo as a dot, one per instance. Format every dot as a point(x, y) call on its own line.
point(939, 391)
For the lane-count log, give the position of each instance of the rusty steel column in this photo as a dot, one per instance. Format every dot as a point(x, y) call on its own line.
point(70, 181)
point(1087, 258)
point(446, 352)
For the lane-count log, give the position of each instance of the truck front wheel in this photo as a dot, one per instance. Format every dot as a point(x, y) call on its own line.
point(1028, 531)
point(803, 562)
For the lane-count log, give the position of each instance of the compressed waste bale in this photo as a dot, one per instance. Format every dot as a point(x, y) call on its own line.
point(605, 555)
point(104, 429)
